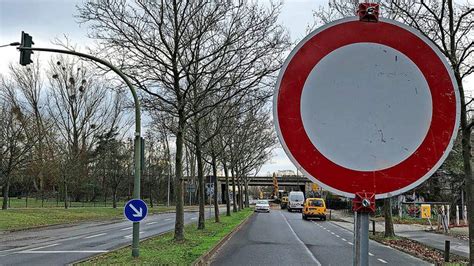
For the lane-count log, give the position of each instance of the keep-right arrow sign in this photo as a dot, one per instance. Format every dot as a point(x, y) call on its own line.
point(135, 210)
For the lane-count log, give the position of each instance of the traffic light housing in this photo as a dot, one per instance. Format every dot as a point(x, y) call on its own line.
point(25, 55)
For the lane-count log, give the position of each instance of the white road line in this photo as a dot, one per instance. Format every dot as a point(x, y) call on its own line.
point(350, 243)
point(382, 261)
point(370, 254)
point(92, 236)
point(48, 246)
point(337, 236)
point(301, 242)
point(194, 218)
point(168, 219)
point(60, 251)
point(332, 233)
point(130, 236)
point(343, 239)
point(151, 223)
point(127, 228)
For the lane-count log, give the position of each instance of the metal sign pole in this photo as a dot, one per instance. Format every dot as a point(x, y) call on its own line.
point(363, 204)
point(362, 240)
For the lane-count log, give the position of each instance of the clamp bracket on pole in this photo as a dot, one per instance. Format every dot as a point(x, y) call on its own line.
point(368, 12)
point(364, 202)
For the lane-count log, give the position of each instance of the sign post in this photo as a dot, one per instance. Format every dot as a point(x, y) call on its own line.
point(367, 108)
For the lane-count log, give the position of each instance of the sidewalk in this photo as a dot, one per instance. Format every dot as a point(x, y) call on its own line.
point(414, 232)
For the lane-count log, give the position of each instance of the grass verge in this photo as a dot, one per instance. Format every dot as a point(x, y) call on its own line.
point(163, 250)
point(19, 219)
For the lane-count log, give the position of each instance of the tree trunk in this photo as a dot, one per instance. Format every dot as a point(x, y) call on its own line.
point(200, 174)
point(65, 194)
point(466, 156)
point(234, 198)
point(387, 210)
point(151, 193)
point(179, 222)
point(227, 198)
point(5, 190)
point(114, 198)
point(247, 201)
point(241, 194)
point(216, 203)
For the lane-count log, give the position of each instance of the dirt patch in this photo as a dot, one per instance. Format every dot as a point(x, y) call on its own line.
point(418, 250)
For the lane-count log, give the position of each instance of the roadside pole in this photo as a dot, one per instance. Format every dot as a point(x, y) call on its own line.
point(137, 151)
point(363, 204)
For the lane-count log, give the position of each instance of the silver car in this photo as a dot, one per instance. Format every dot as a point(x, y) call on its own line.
point(262, 206)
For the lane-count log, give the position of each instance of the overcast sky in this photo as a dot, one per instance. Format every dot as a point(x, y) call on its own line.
point(47, 20)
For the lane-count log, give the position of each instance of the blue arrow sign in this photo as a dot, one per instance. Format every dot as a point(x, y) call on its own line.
point(135, 210)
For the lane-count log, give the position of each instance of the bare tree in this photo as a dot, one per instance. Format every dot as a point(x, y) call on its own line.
point(16, 137)
point(161, 44)
point(450, 27)
point(81, 107)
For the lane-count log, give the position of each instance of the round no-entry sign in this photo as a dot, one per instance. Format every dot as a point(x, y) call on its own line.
point(366, 106)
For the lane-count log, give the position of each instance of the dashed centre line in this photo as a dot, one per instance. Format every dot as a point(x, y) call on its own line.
point(370, 254)
point(381, 260)
point(92, 236)
point(130, 236)
point(127, 228)
point(48, 246)
point(151, 223)
point(343, 239)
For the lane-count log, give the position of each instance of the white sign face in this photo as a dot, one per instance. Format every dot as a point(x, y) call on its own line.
point(385, 105)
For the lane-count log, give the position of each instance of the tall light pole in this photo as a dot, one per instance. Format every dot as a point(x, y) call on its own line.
point(137, 152)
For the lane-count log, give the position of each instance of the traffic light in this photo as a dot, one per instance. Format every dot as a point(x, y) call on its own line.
point(25, 55)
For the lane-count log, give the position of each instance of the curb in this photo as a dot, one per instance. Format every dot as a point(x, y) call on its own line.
point(205, 258)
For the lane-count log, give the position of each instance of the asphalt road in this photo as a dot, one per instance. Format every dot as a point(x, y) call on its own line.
point(283, 238)
point(61, 245)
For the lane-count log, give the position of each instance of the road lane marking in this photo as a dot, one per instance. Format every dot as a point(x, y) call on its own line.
point(130, 236)
point(128, 228)
point(48, 246)
point(151, 223)
point(332, 233)
point(301, 242)
point(370, 254)
point(194, 218)
point(381, 260)
point(350, 243)
point(343, 239)
point(60, 251)
point(92, 236)
point(337, 236)
point(168, 219)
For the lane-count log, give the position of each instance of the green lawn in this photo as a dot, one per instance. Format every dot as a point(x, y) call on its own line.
point(163, 250)
point(16, 219)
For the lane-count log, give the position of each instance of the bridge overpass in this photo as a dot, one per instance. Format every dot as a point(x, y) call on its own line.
point(290, 180)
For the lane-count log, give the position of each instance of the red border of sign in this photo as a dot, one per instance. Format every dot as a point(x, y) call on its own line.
point(386, 182)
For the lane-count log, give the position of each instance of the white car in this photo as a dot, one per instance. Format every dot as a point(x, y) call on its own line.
point(262, 206)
